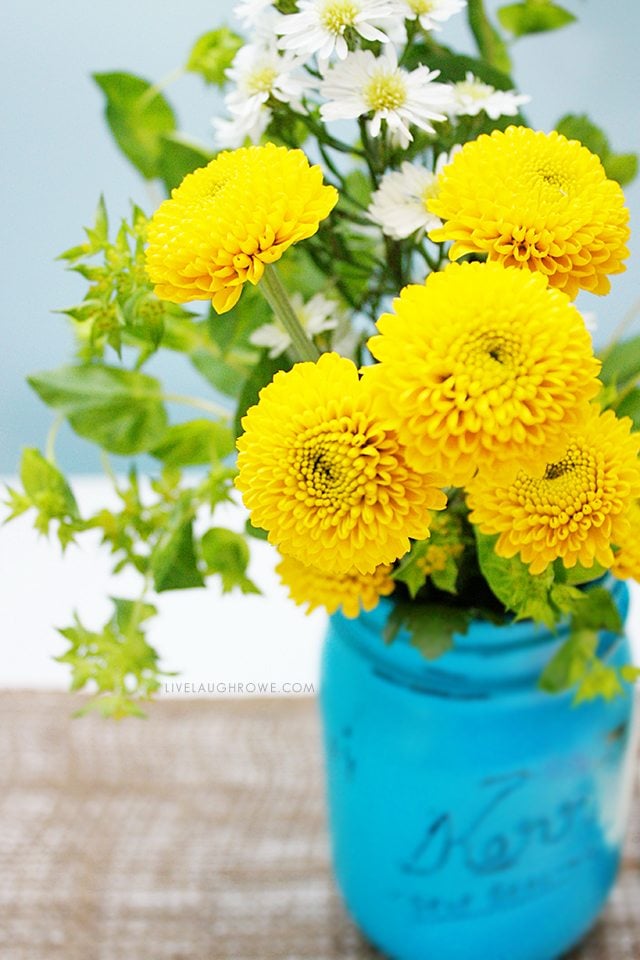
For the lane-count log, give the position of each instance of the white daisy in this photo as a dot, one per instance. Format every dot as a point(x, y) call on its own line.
point(260, 72)
point(229, 134)
point(316, 316)
point(251, 13)
point(431, 13)
point(365, 84)
point(471, 95)
point(399, 205)
point(319, 25)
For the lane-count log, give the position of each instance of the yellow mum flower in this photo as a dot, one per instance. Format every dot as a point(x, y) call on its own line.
point(325, 474)
point(537, 201)
point(626, 554)
point(351, 591)
point(483, 367)
point(576, 510)
point(227, 220)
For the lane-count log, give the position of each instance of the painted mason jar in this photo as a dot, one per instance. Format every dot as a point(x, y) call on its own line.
point(472, 815)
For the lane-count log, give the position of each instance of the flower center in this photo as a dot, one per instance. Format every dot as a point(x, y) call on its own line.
point(569, 488)
point(553, 180)
point(385, 92)
point(430, 192)
point(491, 358)
point(339, 14)
point(473, 89)
point(261, 81)
point(421, 6)
point(333, 464)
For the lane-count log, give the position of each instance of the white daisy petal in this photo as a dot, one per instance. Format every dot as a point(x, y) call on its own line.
point(471, 95)
point(366, 85)
point(316, 316)
point(399, 205)
point(318, 26)
point(431, 13)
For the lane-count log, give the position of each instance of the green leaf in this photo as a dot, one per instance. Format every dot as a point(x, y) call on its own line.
point(213, 53)
point(488, 40)
point(597, 612)
point(115, 661)
point(227, 554)
point(431, 626)
point(580, 127)
point(223, 377)
point(138, 117)
point(629, 406)
point(121, 410)
point(570, 663)
point(455, 66)
point(528, 595)
point(193, 443)
point(178, 157)
point(46, 486)
point(621, 362)
point(410, 570)
point(578, 574)
point(262, 374)
point(130, 614)
point(174, 563)
point(534, 16)
point(600, 680)
point(622, 167)
point(256, 532)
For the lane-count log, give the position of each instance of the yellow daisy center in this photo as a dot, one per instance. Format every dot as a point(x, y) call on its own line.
point(326, 477)
point(567, 493)
point(338, 15)
point(385, 93)
point(261, 81)
point(332, 462)
point(489, 358)
point(577, 510)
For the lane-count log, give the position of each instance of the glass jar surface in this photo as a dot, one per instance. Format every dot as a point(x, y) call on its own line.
point(472, 815)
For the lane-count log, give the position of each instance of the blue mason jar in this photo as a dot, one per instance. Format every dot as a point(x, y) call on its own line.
point(472, 815)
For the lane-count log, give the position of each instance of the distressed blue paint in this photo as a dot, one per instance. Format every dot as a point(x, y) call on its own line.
point(471, 814)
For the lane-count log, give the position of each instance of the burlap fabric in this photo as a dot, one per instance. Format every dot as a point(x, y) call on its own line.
point(197, 834)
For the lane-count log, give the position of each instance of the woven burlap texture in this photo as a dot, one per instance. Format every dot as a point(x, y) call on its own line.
point(197, 834)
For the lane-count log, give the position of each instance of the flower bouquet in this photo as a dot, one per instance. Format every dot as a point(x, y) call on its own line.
point(375, 274)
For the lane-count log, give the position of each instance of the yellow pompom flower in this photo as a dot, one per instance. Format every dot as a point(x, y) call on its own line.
point(352, 591)
point(483, 367)
point(577, 510)
point(536, 201)
point(626, 553)
point(227, 220)
point(325, 474)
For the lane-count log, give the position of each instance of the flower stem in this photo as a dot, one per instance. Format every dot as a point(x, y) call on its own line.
point(276, 296)
point(51, 439)
point(199, 404)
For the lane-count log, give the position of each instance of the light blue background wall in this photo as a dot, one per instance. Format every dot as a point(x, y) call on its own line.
point(57, 156)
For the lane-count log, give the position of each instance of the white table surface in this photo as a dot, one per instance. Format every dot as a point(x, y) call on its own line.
point(216, 642)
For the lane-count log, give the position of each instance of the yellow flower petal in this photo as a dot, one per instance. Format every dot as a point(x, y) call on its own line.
point(226, 220)
point(535, 201)
point(326, 476)
point(483, 368)
point(577, 510)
